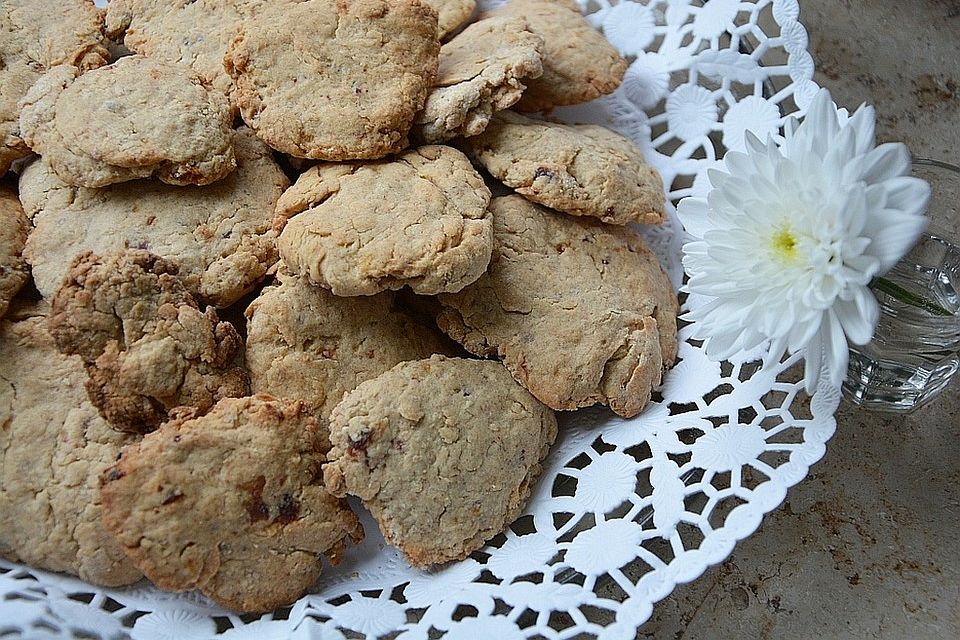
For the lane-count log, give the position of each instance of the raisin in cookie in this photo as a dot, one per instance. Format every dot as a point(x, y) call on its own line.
point(442, 451)
point(482, 71)
point(578, 63)
point(583, 170)
point(419, 220)
point(14, 227)
point(132, 119)
point(53, 446)
point(335, 80)
point(147, 346)
point(305, 343)
point(220, 236)
point(231, 503)
point(580, 312)
point(34, 36)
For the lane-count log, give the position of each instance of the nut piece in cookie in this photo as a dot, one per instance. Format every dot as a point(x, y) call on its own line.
point(305, 343)
point(451, 14)
point(583, 170)
point(220, 236)
point(36, 35)
point(14, 227)
point(580, 312)
point(482, 71)
point(442, 451)
point(231, 503)
point(578, 62)
point(418, 220)
point(334, 80)
point(147, 345)
point(53, 446)
point(132, 119)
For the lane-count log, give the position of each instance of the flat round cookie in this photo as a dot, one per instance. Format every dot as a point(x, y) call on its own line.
point(14, 227)
point(220, 236)
point(583, 170)
point(135, 118)
point(305, 343)
point(236, 505)
point(418, 220)
point(53, 446)
point(580, 312)
point(482, 70)
point(147, 346)
point(335, 80)
point(451, 14)
point(579, 64)
point(442, 451)
point(34, 36)
point(194, 33)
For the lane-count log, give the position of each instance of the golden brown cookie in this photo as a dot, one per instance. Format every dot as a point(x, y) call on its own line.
point(451, 14)
point(34, 36)
point(14, 227)
point(147, 345)
point(442, 451)
point(220, 236)
point(135, 118)
point(482, 71)
point(578, 63)
point(334, 80)
point(583, 170)
point(418, 220)
point(580, 312)
point(305, 343)
point(53, 446)
point(231, 503)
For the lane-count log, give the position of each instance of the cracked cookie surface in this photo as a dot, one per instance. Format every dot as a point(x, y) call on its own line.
point(583, 170)
point(580, 312)
point(53, 446)
point(220, 236)
point(579, 64)
point(333, 80)
point(231, 503)
point(135, 118)
point(418, 220)
point(305, 343)
point(147, 346)
point(482, 71)
point(442, 451)
point(14, 227)
point(34, 36)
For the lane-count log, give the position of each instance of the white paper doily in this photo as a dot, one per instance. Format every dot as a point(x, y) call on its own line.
point(626, 509)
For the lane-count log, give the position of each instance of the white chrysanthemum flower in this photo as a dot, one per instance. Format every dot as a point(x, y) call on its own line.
point(790, 236)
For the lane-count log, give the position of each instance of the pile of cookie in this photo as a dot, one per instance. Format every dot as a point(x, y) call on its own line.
point(205, 359)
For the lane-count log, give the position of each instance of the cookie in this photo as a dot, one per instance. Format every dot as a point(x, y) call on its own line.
point(53, 446)
point(578, 63)
point(451, 14)
point(220, 236)
point(333, 80)
point(132, 119)
point(305, 343)
point(14, 227)
point(231, 503)
point(34, 36)
point(147, 346)
point(482, 71)
point(583, 170)
point(578, 311)
point(442, 451)
point(194, 33)
point(418, 220)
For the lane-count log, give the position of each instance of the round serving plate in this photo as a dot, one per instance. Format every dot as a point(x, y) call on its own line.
point(625, 509)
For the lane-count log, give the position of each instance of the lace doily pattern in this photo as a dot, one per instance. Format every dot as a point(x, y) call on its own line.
point(626, 509)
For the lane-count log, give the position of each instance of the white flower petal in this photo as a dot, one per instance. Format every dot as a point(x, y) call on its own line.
point(907, 194)
point(858, 322)
point(864, 122)
point(694, 214)
point(892, 235)
point(889, 160)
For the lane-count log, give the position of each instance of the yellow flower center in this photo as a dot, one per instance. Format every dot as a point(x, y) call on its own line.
point(785, 245)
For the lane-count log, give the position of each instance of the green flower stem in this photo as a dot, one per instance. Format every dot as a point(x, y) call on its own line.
point(908, 297)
